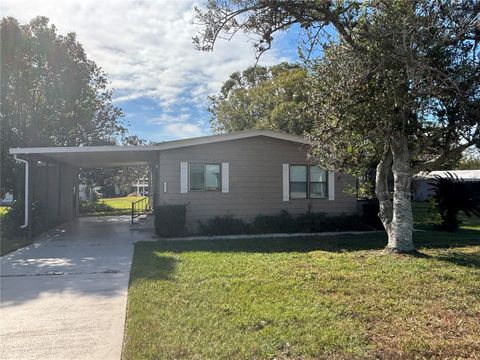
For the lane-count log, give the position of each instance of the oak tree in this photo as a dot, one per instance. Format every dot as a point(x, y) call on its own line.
point(398, 85)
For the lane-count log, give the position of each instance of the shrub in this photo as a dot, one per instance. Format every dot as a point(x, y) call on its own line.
point(453, 195)
point(170, 220)
point(264, 224)
point(223, 225)
point(282, 223)
point(89, 207)
point(320, 222)
point(370, 210)
point(14, 218)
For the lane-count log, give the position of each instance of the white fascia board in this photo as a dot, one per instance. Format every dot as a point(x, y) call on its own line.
point(78, 149)
point(230, 136)
point(165, 145)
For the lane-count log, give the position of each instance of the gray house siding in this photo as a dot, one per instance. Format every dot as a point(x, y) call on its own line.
point(255, 181)
point(53, 192)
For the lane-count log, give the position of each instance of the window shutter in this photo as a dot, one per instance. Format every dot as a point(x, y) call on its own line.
point(183, 177)
point(225, 178)
point(286, 182)
point(331, 185)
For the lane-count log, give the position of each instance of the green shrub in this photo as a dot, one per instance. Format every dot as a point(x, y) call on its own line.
point(320, 222)
point(308, 222)
point(170, 220)
point(452, 195)
point(223, 225)
point(370, 210)
point(90, 207)
point(14, 218)
point(282, 223)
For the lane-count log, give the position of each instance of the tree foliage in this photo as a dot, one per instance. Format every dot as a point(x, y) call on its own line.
point(262, 97)
point(51, 94)
point(398, 86)
point(470, 160)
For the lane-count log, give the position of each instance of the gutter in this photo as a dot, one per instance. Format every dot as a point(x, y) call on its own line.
point(27, 187)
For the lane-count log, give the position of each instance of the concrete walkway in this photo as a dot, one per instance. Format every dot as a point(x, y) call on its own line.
point(64, 296)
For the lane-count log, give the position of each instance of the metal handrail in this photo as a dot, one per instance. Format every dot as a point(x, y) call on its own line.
point(141, 206)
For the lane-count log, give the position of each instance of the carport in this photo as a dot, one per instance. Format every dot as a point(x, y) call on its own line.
point(51, 176)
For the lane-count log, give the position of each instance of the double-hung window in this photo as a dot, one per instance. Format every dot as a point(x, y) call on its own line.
point(205, 177)
point(308, 182)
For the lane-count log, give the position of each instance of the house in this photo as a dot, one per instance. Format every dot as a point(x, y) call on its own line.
point(421, 183)
point(244, 174)
point(140, 187)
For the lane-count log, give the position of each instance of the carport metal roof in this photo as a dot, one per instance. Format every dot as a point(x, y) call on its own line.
point(115, 156)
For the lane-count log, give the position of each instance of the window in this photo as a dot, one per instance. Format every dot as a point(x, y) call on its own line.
point(205, 177)
point(307, 182)
point(298, 181)
point(318, 183)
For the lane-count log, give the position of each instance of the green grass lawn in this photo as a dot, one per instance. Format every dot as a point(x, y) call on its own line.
point(120, 205)
point(317, 298)
point(3, 210)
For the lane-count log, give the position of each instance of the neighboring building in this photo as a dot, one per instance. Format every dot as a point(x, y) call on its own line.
point(140, 187)
point(244, 174)
point(421, 183)
point(6, 199)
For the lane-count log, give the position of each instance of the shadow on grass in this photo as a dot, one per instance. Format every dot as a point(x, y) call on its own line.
point(148, 265)
point(159, 260)
point(340, 243)
point(462, 259)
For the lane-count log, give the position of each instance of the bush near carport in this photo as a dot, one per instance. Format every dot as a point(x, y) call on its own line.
point(170, 220)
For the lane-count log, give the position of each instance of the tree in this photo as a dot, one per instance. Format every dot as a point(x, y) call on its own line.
point(397, 86)
point(262, 97)
point(51, 94)
point(470, 161)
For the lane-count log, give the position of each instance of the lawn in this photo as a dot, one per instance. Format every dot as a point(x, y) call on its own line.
point(317, 298)
point(119, 205)
point(3, 210)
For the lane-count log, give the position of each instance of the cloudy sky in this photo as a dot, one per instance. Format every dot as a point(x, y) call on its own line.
point(161, 82)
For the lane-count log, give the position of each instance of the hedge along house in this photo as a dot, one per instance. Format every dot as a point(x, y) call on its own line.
point(244, 174)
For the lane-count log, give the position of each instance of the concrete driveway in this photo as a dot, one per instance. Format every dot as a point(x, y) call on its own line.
point(65, 296)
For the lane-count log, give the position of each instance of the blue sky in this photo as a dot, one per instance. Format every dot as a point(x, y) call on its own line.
point(161, 82)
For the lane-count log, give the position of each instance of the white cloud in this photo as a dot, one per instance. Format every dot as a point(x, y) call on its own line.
point(182, 130)
point(168, 117)
point(145, 47)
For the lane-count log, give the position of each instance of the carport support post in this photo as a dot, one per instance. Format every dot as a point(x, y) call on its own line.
point(76, 173)
point(31, 189)
point(153, 189)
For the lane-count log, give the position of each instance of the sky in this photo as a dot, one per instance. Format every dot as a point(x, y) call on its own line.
point(160, 81)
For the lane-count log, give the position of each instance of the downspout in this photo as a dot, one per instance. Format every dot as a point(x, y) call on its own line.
point(27, 187)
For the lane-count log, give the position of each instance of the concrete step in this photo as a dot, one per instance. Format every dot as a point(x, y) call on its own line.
point(144, 223)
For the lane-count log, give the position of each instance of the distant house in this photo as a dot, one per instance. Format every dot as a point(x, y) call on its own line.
point(244, 174)
point(140, 187)
point(421, 183)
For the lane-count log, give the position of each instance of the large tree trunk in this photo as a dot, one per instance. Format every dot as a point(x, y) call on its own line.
point(397, 216)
